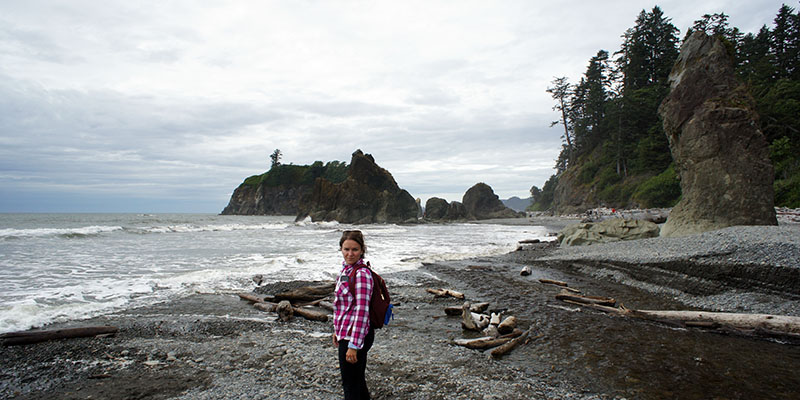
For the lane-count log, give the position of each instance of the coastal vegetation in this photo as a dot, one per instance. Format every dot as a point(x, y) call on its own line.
point(293, 175)
point(615, 151)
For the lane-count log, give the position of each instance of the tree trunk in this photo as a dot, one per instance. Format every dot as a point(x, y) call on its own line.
point(488, 341)
point(251, 297)
point(266, 306)
point(30, 337)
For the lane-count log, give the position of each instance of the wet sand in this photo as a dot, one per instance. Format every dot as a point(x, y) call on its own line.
point(219, 347)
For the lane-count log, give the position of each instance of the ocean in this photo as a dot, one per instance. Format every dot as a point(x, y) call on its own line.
point(60, 267)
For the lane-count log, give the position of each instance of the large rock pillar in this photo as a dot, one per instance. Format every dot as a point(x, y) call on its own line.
point(720, 154)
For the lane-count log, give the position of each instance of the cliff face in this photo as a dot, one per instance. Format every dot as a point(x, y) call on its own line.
point(368, 195)
point(265, 200)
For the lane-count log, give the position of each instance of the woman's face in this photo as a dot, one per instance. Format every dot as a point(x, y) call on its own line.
point(351, 251)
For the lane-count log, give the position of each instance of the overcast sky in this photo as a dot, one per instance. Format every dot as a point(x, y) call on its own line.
point(166, 106)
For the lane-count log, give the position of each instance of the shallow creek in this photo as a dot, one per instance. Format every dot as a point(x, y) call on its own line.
point(624, 357)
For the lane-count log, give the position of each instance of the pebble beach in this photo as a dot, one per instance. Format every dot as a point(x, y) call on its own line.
point(215, 346)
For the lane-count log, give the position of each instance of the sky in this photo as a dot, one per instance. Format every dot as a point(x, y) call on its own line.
point(166, 106)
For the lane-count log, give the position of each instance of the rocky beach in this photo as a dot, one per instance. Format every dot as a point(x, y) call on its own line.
point(216, 346)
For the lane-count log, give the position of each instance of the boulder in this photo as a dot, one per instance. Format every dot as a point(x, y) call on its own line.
point(456, 211)
point(368, 195)
point(610, 230)
point(480, 202)
point(436, 208)
point(720, 154)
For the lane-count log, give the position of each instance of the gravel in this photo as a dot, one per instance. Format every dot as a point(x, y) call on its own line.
point(777, 246)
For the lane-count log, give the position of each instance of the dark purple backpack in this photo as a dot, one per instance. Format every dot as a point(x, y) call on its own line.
point(380, 305)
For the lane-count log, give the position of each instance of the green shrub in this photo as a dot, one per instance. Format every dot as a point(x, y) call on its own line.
point(787, 191)
point(662, 190)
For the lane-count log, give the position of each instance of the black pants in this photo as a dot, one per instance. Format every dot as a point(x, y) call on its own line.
point(354, 379)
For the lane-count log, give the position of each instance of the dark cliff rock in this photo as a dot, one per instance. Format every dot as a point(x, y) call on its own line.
point(368, 195)
point(437, 209)
point(481, 203)
point(265, 200)
point(721, 155)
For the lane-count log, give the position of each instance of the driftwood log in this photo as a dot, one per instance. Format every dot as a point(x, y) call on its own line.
point(476, 308)
point(768, 324)
point(30, 337)
point(603, 301)
point(494, 319)
point(487, 342)
point(266, 306)
point(326, 305)
point(306, 293)
point(511, 345)
point(473, 321)
point(253, 298)
point(446, 293)
point(526, 270)
point(508, 325)
point(310, 314)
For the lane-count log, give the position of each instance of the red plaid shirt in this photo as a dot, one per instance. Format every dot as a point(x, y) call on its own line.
point(351, 310)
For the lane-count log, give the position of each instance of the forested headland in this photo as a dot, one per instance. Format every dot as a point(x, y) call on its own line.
point(614, 150)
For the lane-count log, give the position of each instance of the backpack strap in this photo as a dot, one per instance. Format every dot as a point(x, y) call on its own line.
point(355, 269)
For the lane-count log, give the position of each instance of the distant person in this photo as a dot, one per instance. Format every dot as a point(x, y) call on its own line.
point(352, 332)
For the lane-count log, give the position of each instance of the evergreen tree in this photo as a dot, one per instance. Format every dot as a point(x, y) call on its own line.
point(561, 92)
point(275, 158)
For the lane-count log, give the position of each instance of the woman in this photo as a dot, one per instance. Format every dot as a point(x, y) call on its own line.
point(352, 332)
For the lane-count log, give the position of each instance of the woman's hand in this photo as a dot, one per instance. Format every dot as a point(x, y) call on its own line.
point(351, 356)
point(335, 342)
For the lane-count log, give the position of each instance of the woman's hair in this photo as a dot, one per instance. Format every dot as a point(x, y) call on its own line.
point(356, 236)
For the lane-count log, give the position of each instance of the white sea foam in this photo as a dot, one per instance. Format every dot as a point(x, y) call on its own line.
point(44, 281)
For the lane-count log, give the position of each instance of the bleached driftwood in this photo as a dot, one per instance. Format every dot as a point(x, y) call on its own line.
point(445, 293)
point(603, 301)
point(769, 324)
point(494, 319)
point(526, 270)
point(511, 345)
point(507, 325)
point(473, 321)
point(491, 331)
point(476, 308)
point(30, 337)
point(487, 342)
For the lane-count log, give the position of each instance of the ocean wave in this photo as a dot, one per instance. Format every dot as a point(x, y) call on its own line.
point(188, 228)
point(85, 231)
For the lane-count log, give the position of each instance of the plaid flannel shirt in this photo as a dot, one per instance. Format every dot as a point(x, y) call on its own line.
point(351, 310)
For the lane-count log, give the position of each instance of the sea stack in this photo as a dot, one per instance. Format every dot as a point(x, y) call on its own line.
point(720, 153)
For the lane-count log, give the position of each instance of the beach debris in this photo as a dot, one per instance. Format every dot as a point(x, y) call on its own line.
point(446, 293)
point(296, 302)
point(562, 284)
point(507, 325)
point(307, 293)
point(473, 321)
point(285, 310)
point(511, 345)
point(30, 337)
point(252, 298)
point(476, 308)
point(599, 300)
point(526, 270)
point(744, 324)
point(495, 319)
point(530, 241)
point(487, 342)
